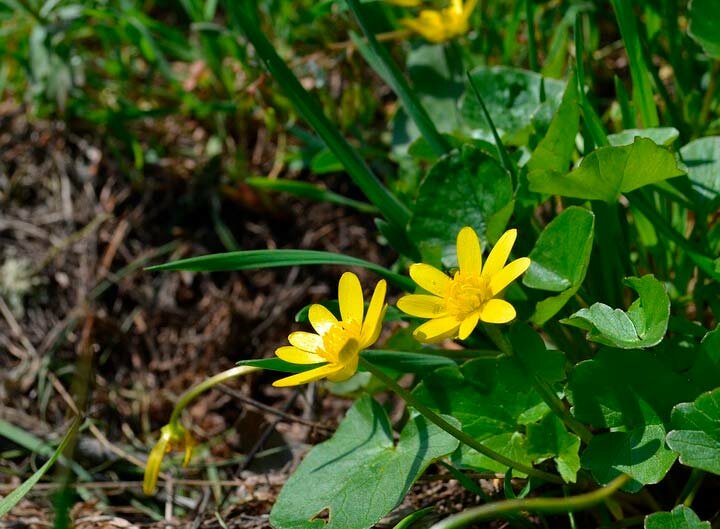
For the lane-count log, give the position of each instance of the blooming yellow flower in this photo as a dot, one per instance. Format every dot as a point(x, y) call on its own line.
point(455, 305)
point(337, 343)
point(172, 437)
point(444, 24)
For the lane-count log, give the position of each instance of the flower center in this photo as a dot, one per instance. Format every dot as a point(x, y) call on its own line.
point(337, 336)
point(466, 294)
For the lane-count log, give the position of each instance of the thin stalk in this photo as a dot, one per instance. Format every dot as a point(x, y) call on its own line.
point(709, 95)
point(541, 386)
point(388, 70)
point(458, 434)
point(691, 487)
point(192, 393)
point(506, 508)
point(502, 151)
point(592, 120)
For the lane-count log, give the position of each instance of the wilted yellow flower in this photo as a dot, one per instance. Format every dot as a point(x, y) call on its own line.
point(444, 24)
point(337, 343)
point(173, 436)
point(473, 294)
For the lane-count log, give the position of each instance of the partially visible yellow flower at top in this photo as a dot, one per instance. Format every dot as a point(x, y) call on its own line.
point(172, 437)
point(455, 305)
point(338, 343)
point(445, 24)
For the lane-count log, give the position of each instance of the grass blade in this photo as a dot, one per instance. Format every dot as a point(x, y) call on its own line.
point(309, 191)
point(642, 87)
point(255, 259)
point(309, 109)
point(381, 61)
point(9, 501)
point(592, 120)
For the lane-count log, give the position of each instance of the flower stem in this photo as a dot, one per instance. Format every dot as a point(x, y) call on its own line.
point(192, 393)
point(541, 386)
point(458, 434)
point(491, 511)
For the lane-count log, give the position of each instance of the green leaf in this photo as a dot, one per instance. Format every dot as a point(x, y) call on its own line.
point(244, 15)
point(608, 172)
point(9, 501)
point(360, 474)
point(560, 259)
point(256, 259)
point(276, 364)
point(550, 438)
point(643, 325)
point(661, 135)
point(705, 25)
point(493, 400)
point(555, 150)
point(465, 188)
point(702, 159)
point(512, 97)
point(407, 362)
point(696, 433)
point(680, 517)
point(529, 347)
point(632, 393)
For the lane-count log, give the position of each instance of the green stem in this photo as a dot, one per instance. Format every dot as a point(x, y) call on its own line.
point(192, 393)
point(505, 508)
point(541, 386)
point(691, 487)
point(532, 46)
point(458, 434)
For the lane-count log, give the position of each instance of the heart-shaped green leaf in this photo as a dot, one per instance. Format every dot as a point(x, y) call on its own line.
point(680, 517)
point(465, 188)
point(643, 325)
point(702, 158)
point(696, 434)
point(360, 474)
point(608, 172)
point(560, 259)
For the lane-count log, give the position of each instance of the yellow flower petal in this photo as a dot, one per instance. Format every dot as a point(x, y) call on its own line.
point(306, 341)
point(346, 372)
point(468, 251)
point(350, 297)
point(430, 278)
point(298, 356)
point(321, 319)
point(308, 376)
point(468, 325)
point(422, 305)
point(499, 254)
point(469, 8)
point(152, 467)
point(437, 329)
point(507, 275)
point(429, 24)
point(405, 3)
point(497, 311)
point(372, 325)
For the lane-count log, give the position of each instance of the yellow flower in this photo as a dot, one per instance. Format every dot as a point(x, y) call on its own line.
point(172, 437)
point(337, 343)
point(444, 24)
point(456, 305)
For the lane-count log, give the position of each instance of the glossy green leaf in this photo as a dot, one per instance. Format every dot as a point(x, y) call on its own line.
point(360, 474)
point(465, 188)
point(680, 517)
point(696, 433)
point(643, 325)
point(661, 135)
point(705, 25)
point(512, 97)
point(560, 259)
point(406, 361)
point(702, 159)
point(555, 150)
point(493, 400)
point(276, 364)
point(632, 392)
point(608, 172)
point(256, 259)
point(529, 347)
point(550, 438)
